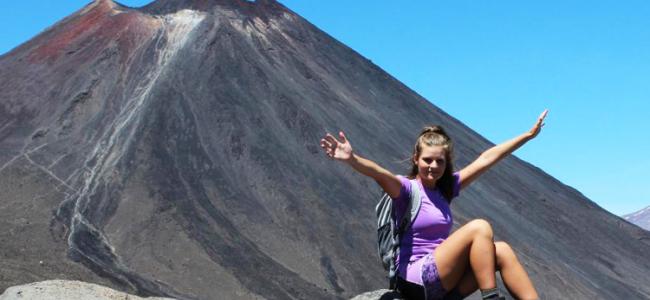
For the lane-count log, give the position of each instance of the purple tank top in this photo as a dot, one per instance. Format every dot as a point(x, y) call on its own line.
point(429, 229)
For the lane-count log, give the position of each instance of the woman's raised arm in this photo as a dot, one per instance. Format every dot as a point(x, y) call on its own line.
point(493, 155)
point(342, 151)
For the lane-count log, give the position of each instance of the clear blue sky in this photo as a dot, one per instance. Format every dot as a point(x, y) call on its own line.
point(495, 65)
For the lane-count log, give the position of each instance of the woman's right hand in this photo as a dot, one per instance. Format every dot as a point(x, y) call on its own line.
point(339, 150)
point(342, 150)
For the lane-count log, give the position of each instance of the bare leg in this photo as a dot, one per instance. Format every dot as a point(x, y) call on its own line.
point(467, 284)
point(512, 272)
point(471, 245)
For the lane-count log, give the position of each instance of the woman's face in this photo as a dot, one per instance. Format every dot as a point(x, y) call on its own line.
point(431, 164)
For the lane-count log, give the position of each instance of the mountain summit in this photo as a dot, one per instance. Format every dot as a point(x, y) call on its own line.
point(172, 150)
point(258, 8)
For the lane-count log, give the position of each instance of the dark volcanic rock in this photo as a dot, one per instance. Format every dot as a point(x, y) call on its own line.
point(173, 151)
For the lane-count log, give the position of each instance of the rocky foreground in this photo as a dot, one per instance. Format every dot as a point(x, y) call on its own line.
point(379, 295)
point(79, 290)
point(68, 290)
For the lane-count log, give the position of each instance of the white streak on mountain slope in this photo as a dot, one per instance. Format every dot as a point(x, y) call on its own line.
point(175, 30)
point(48, 172)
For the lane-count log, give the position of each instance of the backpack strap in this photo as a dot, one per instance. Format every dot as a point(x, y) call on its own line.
point(405, 222)
point(412, 209)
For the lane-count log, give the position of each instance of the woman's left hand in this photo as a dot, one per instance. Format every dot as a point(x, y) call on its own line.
point(538, 125)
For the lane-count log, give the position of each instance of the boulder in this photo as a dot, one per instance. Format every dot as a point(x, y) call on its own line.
point(68, 290)
point(378, 295)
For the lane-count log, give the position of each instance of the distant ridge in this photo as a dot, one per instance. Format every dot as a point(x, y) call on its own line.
point(641, 218)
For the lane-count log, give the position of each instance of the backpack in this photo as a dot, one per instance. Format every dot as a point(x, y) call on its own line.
point(389, 234)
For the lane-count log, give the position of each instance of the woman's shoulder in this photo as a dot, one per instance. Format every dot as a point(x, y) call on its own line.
point(403, 178)
point(405, 190)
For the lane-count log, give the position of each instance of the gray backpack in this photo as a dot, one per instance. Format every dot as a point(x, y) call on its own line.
point(389, 235)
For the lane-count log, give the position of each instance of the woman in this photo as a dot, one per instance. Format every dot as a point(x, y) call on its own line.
point(433, 264)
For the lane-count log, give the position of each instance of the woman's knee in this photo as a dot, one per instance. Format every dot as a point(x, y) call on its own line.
point(504, 253)
point(481, 227)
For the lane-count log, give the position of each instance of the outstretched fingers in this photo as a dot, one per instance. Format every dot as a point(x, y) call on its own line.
point(331, 139)
point(342, 136)
point(335, 148)
point(539, 124)
point(542, 116)
point(329, 144)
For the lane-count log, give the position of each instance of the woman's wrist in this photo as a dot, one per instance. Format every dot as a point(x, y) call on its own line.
point(528, 135)
point(352, 159)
